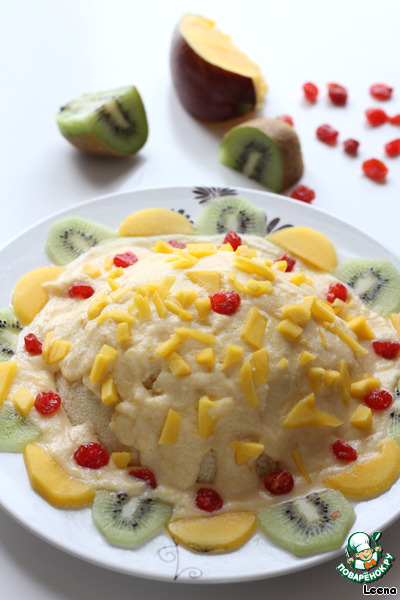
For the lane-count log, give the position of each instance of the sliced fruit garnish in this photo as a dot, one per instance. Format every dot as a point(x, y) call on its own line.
point(15, 430)
point(313, 523)
point(308, 244)
point(369, 479)
point(29, 296)
point(128, 521)
point(216, 533)
point(10, 328)
point(231, 213)
point(306, 414)
point(155, 221)
point(52, 483)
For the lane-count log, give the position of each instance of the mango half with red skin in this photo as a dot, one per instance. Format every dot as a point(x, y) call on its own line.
point(214, 80)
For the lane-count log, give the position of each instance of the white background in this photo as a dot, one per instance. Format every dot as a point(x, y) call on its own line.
point(52, 51)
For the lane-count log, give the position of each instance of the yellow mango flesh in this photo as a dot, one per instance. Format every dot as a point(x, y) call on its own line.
point(308, 244)
point(155, 221)
point(50, 482)
point(216, 533)
point(29, 296)
point(372, 478)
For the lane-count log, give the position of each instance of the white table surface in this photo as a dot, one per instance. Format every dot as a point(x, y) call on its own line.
point(53, 51)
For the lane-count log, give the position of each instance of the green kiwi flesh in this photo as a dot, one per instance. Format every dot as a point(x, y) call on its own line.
point(10, 328)
point(375, 280)
point(394, 417)
point(231, 213)
point(115, 117)
point(15, 430)
point(314, 523)
point(72, 236)
point(127, 521)
point(266, 150)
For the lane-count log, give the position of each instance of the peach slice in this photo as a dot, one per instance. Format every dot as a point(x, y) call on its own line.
point(369, 479)
point(50, 481)
point(214, 80)
point(216, 533)
point(29, 296)
point(308, 244)
point(155, 221)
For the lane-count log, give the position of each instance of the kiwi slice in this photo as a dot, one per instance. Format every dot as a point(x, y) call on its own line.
point(111, 123)
point(10, 328)
point(231, 212)
point(127, 521)
point(70, 237)
point(266, 150)
point(375, 280)
point(15, 430)
point(394, 417)
point(314, 523)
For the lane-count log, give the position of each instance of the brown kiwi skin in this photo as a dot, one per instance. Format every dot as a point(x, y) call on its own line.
point(288, 142)
point(90, 144)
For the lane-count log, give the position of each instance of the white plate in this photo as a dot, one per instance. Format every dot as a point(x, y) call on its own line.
point(160, 558)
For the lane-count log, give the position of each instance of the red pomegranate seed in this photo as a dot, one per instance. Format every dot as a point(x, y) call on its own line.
point(351, 146)
point(32, 344)
point(326, 134)
point(225, 303)
point(303, 193)
point(376, 116)
point(233, 239)
point(394, 120)
point(378, 400)
point(279, 482)
point(381, 91)
point(336, 290)
point(310, 91)
point(80, 290)
point(145, 475)
point(375, 169)
point(393, 148)
point(208, 500)
point(386, 349)
point(125, 260)
point(289, 261)
point(91, 456)
point(46, 403)
point(287, 119)
point(337, 93)
point(344, 451)
point(176, 244)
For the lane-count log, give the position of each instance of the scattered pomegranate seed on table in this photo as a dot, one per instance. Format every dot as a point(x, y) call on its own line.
point(310, 91)
point(225, 303)
point(208, 499)
point(125, 260)
point(327, 134)
point(394, 120)
point(393, 148)
point(91, 455)
point(375, 169)
point(290, 262)
point(344, 451)
point(80, 290)
point(279, 482)
point(287, 119)
point(145, 475)
point(32, 344)
point(381, 91)
point(378, 400)
point(233, 239)
point(386, 349)
point(337, 93)
point(336, 290)
point(376, 116)
point(303, 193)
point(351, 146)
point(47, 402)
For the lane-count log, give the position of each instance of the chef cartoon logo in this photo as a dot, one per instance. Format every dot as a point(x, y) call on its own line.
point(364, 557)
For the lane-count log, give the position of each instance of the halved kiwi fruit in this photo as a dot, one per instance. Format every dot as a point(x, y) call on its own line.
point(231, 212)
point(111, 123)
point(10, 328)
point(72, 236)
point(15, 430)
point(314, 523)
point(127, 521)
point(375, 280)
point(266, 150)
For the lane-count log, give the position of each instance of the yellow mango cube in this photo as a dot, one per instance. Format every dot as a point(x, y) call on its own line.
point(123, 332)
point(260, 362)
point(360, 389)
point(254, 328)
point(305, 357)
point(170, 430)
point(289, 329)
point(233, 355)
point(210, 281)
point(203, 306)
point(297, 313)
point(247, 384)
point(245, 451)
point(206, 357)
point(362, 417)
point(206, 422)
point(104, 359)
point(177, 365)
point(298, 460)
point(177, 310)
point(91, 270)
point(8, 370)
point(109, 394)
point(121, 459)
point(23, 401)
point(306, 414)
point(360, 327)
point(186, 297)
point(159, 304)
